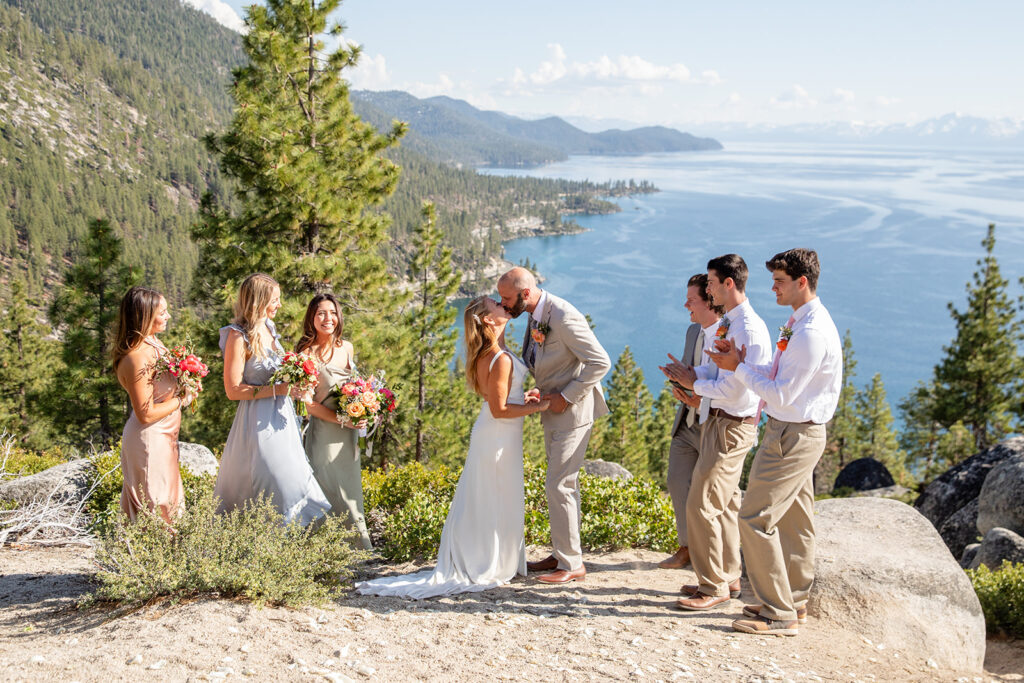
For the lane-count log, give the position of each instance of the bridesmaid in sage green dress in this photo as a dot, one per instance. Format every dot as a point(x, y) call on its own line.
point(332, 443)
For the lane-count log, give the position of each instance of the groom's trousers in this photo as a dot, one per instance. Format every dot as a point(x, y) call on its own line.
point(712, 508)
point(777, 517)
point(565, 450)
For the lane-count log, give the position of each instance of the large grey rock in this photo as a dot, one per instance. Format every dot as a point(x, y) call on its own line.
point(1001, 501)
point(961, 484)
point(603, 468)
point(998, 545)
point(883, 571)
point(64, 481)
point(969, 553)
point(864, 474)
point(197, 458)
point(961, 528)
point(893, 491)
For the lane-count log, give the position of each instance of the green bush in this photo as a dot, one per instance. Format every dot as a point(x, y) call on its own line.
point(406, 508)
point(21, 463)
point(246, 553)
point(1001, 594)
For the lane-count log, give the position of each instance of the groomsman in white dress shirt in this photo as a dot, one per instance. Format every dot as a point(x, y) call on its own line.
point(799, 392)
point(685, 445)
point(729, 432)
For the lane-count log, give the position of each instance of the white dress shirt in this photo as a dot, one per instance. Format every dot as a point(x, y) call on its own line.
point(538, 311)
point(810, 376)
point(704, 359)
point(726, 391)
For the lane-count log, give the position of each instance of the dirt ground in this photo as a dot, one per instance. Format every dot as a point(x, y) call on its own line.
point(618, 624)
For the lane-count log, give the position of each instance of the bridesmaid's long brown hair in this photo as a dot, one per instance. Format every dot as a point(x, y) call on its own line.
point(134, 321)
point(480, 338)
point(309, 328)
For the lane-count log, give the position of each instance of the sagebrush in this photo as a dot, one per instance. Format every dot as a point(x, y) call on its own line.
point(1001, 594)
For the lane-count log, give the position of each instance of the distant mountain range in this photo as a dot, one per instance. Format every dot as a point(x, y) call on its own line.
point(950, 130)
point(455, 131)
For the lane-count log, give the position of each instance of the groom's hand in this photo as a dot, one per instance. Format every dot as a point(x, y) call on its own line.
point(532, 396)
point(558, 402)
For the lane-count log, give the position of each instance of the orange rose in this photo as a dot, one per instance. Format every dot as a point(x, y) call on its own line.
point(538, 336)
point(355, 409)
point(782, 344)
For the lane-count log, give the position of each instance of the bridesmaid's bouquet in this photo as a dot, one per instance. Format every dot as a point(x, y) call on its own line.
point(299, 371)
point(365, 399)
point(187, 368)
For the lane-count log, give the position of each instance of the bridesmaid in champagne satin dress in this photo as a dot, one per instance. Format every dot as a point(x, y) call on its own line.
point(149, 442)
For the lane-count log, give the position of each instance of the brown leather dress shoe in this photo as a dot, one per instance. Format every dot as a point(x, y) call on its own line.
point(564, 575)
point(755, 611)
point(698, 602)
point(547, 564)
point(691, 588)
point(680, 559)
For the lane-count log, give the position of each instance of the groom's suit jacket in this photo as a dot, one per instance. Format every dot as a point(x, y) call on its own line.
point(688, 357)
point(571, 362)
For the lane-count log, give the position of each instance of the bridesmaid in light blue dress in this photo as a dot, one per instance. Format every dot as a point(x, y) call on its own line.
point(263, 453)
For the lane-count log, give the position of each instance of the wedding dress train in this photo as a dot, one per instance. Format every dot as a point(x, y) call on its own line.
point(482, 544)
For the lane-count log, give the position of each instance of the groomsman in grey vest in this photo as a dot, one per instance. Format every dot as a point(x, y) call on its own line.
point(799, 390)
point(568, 363)
point(685, 445)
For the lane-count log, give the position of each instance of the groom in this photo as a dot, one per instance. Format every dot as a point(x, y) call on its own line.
point(568, 364)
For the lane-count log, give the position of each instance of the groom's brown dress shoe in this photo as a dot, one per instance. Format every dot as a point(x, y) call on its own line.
point(755, 611)
point(680, 559)
point(564, 575)
point(698, 602)
point(545, 565)
point(691, 588)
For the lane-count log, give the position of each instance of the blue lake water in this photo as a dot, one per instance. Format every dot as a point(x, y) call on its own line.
point(898, 232)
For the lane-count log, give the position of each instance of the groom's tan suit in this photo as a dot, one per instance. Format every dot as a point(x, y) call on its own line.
point(571, 362)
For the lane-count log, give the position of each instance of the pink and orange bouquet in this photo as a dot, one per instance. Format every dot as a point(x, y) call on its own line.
point(300, 372)
point(365, 399)
point(187, 368)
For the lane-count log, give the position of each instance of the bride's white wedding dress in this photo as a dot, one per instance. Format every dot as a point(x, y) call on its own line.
point(482, 545)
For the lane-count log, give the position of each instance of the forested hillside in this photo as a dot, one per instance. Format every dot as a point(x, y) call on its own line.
point(103, 107)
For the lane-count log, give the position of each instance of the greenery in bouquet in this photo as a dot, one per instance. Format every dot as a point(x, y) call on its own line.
point(367, 399)
point(188, 369)
point(299, 371)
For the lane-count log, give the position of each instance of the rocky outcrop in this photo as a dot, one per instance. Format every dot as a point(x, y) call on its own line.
point(1001, 501)
point(883, 571)
point(970, 552)
point(961, 528)
point(64, 481)
point(998, 545)
point(961, 484)
point(864, 474)
point(197, 459)
point(893, 491)
point(603, 468)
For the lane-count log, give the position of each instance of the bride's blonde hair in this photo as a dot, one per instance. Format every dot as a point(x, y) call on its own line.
point(480, 338)
point(254, 296)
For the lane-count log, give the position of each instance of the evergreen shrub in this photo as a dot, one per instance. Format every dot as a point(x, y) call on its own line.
point(1001, 593)
point(406, 508)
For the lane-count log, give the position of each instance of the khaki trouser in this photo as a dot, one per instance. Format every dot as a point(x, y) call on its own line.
point(682, 459)
point(565, 451)
point(714, 502)
point(777, 517)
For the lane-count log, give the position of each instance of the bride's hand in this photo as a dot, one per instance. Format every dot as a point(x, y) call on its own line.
point(532, 396)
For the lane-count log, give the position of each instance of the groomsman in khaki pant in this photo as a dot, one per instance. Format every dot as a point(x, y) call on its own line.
point(728, 434)
point(799, 392)
point(685, 445)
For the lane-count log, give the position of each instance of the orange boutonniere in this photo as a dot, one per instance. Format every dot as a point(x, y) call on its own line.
point(785, 334)
point(540, 332)
point(723, 328)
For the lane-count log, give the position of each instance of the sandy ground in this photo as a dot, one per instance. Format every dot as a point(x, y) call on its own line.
point(618, 624)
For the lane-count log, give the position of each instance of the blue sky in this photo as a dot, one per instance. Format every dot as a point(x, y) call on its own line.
point(675, 62)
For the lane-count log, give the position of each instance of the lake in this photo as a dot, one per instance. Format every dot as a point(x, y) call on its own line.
point(898, 232)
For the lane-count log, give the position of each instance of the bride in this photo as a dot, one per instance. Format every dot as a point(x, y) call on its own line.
point(482, 545)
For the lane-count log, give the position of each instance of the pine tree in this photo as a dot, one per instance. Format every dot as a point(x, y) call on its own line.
point(27, 360)
point(658, 437)
point(921, 433)
point(623, 439)
point(431, 320)
point(875, 437)
point(980, 379)
point(308, 172)
point(88, 402)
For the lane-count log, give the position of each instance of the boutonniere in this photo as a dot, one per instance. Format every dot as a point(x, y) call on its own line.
point(540, 332)
point(723, 328)
point(785, 334)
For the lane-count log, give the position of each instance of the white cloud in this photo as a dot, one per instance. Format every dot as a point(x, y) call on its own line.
point(795, 98)
point(883, 101)
point(443, 86)
point(734, 100)
point(221, 12)
point(604, 70)
point(371, 73)
point(841, 96)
